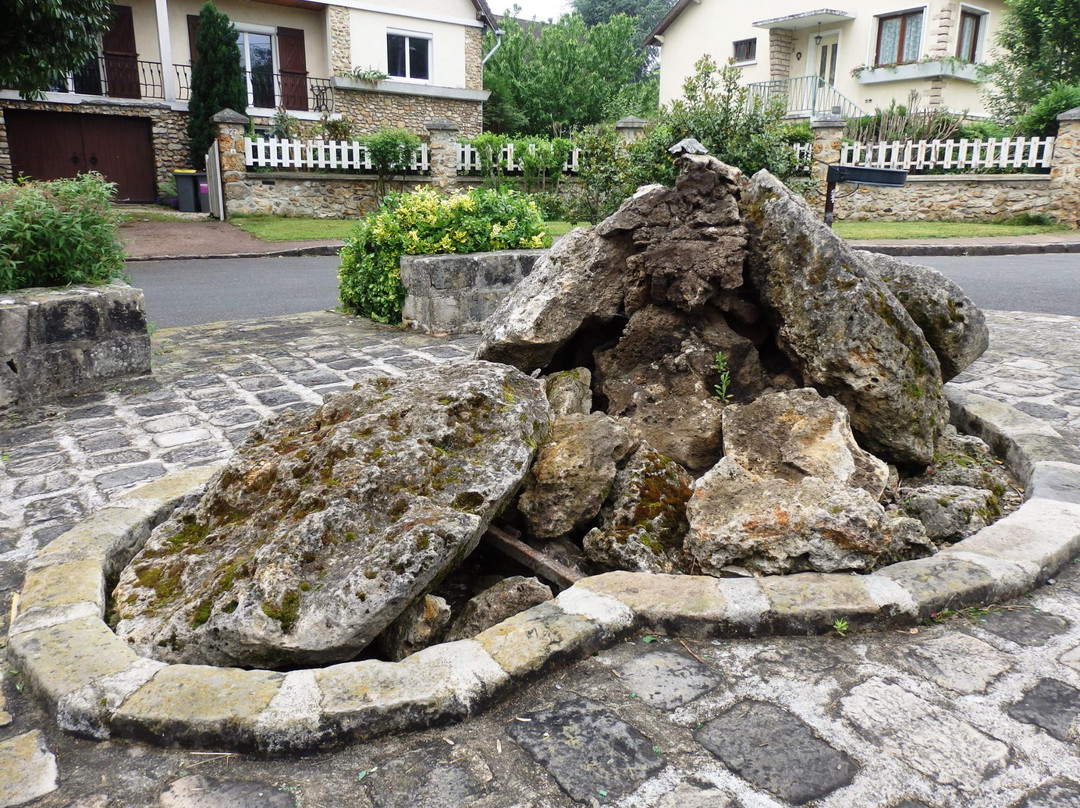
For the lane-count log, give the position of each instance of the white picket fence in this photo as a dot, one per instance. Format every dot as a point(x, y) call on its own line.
point(469, 160)
point(314, 155)
point(1010, 154)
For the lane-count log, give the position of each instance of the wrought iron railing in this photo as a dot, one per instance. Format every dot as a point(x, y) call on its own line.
point(115, 77)
point(805, 96)
point(294, 92)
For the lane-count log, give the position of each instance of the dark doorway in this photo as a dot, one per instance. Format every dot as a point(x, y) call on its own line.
point(54, 145)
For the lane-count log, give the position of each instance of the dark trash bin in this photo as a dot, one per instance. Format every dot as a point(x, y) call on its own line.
point(187, 192)
point(204, 191)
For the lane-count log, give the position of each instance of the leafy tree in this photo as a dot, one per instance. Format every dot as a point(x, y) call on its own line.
point(217, 82)
point(646, 13)
point(560, 76)
point(1040, 48)
point(1041, 119)
point(43, 40)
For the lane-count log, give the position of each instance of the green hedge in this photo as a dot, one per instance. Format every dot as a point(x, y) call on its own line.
point(58, 233)
point(425, 223)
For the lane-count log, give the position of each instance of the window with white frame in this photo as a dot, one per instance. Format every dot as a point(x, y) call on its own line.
point(408, 55)
point(257, 62)
point(899, 38)
point(970, 33)
point(745, 50)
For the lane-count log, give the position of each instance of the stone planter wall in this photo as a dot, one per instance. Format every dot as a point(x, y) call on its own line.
point(56, 342)
point(950, 196)
point(454, 294)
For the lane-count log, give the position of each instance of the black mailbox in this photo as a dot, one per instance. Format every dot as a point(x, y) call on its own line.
point(863, 175)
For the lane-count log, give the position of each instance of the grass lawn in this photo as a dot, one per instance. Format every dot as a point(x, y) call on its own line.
point(882, 230)
point(287, 228)
point(562, 228)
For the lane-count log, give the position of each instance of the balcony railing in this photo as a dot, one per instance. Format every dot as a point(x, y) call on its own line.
point(115, 77)
point(294, 92)
point(805, 97)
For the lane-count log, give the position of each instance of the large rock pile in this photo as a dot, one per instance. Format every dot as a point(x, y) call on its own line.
point(725, 385)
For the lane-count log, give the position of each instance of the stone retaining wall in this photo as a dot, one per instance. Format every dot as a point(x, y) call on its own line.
point(454, 294)
point(948, 197)
point(56, 342)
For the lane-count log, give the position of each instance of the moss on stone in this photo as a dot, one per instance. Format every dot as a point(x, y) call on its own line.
point(286, 611)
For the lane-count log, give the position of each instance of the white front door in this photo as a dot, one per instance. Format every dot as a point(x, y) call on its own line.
point(826, 57)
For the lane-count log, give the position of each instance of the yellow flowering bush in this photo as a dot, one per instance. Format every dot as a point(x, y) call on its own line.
point(425, 222)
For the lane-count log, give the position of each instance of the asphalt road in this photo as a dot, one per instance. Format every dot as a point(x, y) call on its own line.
point(214, 290)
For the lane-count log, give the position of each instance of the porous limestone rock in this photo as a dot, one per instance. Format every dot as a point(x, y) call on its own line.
point(643, 523)
point(419, 626)
point(577, 283)
point(846, 334)
point(496, 603)
point(798, 434)
point(964, 460)
point(771, 526)
point(573, 474)
point(661, 376)
point(949, 512)
point(325, 526)
point(570, 391)
point(953, 325)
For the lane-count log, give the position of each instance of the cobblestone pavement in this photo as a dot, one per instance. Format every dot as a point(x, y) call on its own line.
point(982, 710)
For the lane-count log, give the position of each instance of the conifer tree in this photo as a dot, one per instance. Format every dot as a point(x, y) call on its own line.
point(217, 82)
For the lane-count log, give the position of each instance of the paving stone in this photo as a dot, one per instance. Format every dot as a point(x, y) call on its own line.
point(104, 441)
point(277, 398)
point(233, 417)
point(46, 534)
point(167, 440)
point(288, 364)
point(159, 408)
point(315, 378)
point(195, 454)
point(218, 405)
point(119, 458)
point(236, 436)
point(34, 466)
point(1071, 658)
point(589, 750)
point(12, 438)
point(169, 423)
point(256, 383)
point(45, 484)
point(408, 362)
point(196, 791)
point(1024, 625)
point(23, 452)
point(247, 368)
point(929, 739)
point(27, 769)
point(350, 363)
point(773, 749)
point(82, 413)
point(1052, 794)
point(129, 476)
point(433, 777)
point(198, 380)
point(210, 394)
point(65, 506)
point(1051, 705)
point(1045, 411)
point(90, 801)
point(690, 795)
point(957, 662)
point(666, 679)
point(95, 426)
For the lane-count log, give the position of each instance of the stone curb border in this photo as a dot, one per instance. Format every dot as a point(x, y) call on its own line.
point(292, 252)
point(98, 687)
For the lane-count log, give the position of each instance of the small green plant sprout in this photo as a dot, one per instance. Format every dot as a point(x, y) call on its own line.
point(841, 626)
point(721, 367)
point(368, 75)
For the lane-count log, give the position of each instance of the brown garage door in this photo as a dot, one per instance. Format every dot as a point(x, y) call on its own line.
point(53, 145)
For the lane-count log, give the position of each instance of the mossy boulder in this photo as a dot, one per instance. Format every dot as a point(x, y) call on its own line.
point(326, 525)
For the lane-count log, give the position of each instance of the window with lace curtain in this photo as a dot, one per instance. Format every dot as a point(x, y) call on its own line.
point(899, 39)
point(967, 44)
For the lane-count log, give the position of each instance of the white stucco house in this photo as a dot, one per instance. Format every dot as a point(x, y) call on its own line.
point(850, 59)
point(125, 112)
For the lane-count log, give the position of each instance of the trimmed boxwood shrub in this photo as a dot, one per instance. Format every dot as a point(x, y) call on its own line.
point(425, 223)
point(58, 233)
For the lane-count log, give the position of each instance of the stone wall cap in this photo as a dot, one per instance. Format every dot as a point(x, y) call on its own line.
point(827, 120)
point(441, 125)
point(631, 121)
point(229, 116)
point(1070, 115)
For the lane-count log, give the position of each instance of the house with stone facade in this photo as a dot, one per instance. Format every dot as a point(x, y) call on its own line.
point(124, 113)
point(845, 60)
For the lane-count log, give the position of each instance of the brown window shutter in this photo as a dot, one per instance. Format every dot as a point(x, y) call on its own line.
point(293, 66)
point(120, 57)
